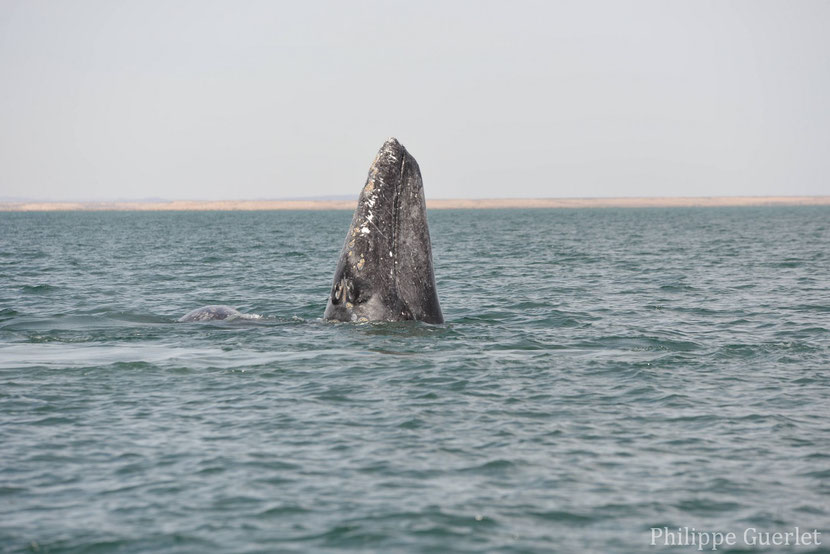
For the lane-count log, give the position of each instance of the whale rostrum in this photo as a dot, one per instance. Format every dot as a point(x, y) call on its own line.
point(385, 270)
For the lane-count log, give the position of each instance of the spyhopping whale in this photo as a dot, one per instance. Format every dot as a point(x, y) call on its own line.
point(385, 269)
point(384, 272)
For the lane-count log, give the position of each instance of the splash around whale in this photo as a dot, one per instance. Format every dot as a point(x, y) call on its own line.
point(385, 270)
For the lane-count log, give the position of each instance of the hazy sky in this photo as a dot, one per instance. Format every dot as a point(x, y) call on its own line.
point(237, 100)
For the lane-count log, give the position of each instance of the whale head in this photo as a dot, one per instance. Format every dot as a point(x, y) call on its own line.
point(385, 269)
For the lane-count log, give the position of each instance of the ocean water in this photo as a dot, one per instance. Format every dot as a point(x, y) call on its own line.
point(601, 373)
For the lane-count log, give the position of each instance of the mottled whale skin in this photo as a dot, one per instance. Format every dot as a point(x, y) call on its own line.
point(385, 269)
point(211, 313)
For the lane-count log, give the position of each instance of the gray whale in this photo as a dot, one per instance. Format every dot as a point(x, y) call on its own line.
point(385, 269)
point(210, 313)
point(384, 272)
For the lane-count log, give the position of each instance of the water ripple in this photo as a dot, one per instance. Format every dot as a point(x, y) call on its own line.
point(601, 372)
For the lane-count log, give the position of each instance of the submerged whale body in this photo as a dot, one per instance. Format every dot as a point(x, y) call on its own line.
point(211, 313)
point(385, 269)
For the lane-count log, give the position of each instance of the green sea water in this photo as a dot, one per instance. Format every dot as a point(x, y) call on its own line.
point(601, 373)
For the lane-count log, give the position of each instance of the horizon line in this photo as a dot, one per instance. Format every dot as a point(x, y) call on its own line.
point(438, 203)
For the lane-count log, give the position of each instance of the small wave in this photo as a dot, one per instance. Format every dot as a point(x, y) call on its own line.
point(676, 288)
point(672, 400)
point(642, 343)
point(401, 329)
point(708, 506)
point(212, 259)
point(38, 289)
point(572, 518)
point(282, 511)
point(820, 308)
point(787, 264)
point(485, 317)
point(386, 351)
point(770, 349)
point(134, 317)
point(821, 474)
point(49, 326)
point(8, 313)
point(491, 467)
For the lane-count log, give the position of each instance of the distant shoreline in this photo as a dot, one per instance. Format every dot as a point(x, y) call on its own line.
point(436, 204)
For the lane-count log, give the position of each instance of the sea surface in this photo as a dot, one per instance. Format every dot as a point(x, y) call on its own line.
point(601, 372)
